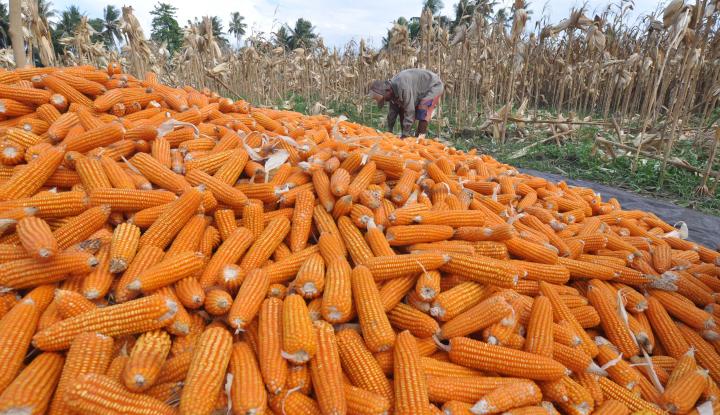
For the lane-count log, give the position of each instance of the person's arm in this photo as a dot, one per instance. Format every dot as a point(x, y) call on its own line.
point(393, 111)
point(408, 101)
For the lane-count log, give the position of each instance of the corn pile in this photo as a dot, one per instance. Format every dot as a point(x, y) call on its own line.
point(171, 251)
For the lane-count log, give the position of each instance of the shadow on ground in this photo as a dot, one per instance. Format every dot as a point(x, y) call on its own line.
point(703, 228)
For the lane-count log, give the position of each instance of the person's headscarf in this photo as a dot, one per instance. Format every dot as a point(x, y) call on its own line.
point(379, 87)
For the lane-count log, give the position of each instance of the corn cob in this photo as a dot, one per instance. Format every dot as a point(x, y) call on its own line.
point(247, 391)
point(98, 394)
point(135, 316)
point(206, 373)
point(272, 365)
point(33, 388)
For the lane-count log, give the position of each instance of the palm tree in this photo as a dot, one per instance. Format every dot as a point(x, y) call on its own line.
point(4, 26)
point(237, 26)
point(69, 19)
point(282, 37)
point(434, 5)
point(110, 32)
point(45, 10)
point(303, 34)
point(217, 29)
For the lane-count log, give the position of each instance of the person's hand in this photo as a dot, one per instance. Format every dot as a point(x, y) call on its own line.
point(421, 136)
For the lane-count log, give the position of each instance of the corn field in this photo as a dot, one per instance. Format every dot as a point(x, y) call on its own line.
point(650, 80)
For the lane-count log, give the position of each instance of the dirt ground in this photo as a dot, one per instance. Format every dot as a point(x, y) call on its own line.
point(703, 228)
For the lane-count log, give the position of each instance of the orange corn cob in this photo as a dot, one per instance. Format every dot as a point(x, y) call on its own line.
point(452, 302)
point(135, 316)
point(247, 391)
point(97, 284)
point(477, 318)
point(665, 330)
point(249, 299)
point(617, 331)
point(16, 331)
point(326, 372)
point(89, 353)
point(71, 303)
point(412, 234)
point(353, 240)
point(337, 295)
point(37, 238)
point(272, 365)
point(298, 337)
point(472, 353)
point(539, 337)
point(123, 247)
point(167, 271)
point(25, 273)
point(27, 181)
point(206, 374)
point(80, 227)
point(33, 388)
point(171, 220)
point(129, 200)
point(379, 335)
point(310, 280)
point(98, 394)
point(146, 360)
point(410, 385)
point(362, 369)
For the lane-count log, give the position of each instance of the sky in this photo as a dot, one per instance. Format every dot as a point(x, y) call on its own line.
point(337, 21)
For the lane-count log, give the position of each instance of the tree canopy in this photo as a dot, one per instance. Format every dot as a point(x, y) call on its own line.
point(165, 27)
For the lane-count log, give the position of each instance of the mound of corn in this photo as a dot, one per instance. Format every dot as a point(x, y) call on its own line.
point(167, 250)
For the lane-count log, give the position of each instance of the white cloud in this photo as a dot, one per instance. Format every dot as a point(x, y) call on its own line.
point(337, 21)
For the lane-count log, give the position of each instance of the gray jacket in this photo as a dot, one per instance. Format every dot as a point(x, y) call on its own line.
point(410, 87)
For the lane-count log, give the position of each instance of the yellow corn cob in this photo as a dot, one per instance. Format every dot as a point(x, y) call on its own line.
point(123, 247)
point(146, 360)
point(321, 184)
point(206, 374)
point(81, 227)
point(135, 316)
point(145, 258)
point(71, 303)
point(37, 238)
point(249, 299)
point(264, 245)
point(412, 234)
point(562, 313)
point(617, 331)
point(466, 388)
point(129, 200)
point(16, 331)
point(252, 218)
point(272, 365)
point(299, 341)
point(229, 252)
point(89, 353)
point(33, 388)
point(247, 391)
point(378, 334)
point(410, 385)
point(513, 395)
point(665, 330)
point(612, 407)
point(569, 395)
point(284, 269)
point(299, 379)
point(190, 293)
point(171, 220)
point(456, 300)
point(222, 191)
point(684, 310)
point(483, 270)
point(477, 318)
point(539, 337)
point(294, 403)
point(360, 366)
point(472, 353)
point(98, 394)
point(395, 266)
point(393, 291)
point(167, 271)
point(337, 296)
point(218, 302)
point(27, 181)
point(427, 286)
point(225, 222)
point(326, 372)
point(25, 273)
point(331, 246)
point(354, 241)
point(97, 284)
